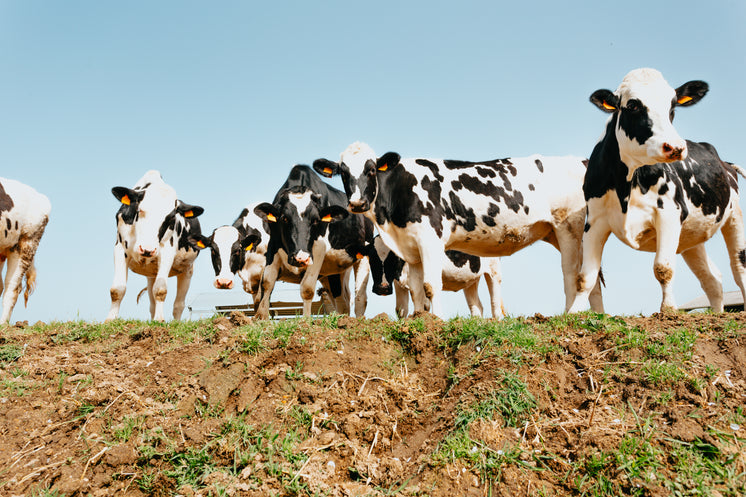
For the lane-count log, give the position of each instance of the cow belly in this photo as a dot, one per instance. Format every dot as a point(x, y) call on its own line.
point(183, 261)
point(458, 281)
point(336, 261)
point(499, 240)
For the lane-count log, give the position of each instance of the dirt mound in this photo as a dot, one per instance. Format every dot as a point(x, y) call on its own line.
point(567, 405)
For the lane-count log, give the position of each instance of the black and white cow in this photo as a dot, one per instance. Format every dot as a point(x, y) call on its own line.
point(311, 230)
point(153, 230)
point(24, 214)
point(658, 192)
point(423, 207)
point(240, 250)
point(460, 272)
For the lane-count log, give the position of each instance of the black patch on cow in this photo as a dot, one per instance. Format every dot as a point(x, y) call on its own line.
point(663, 189)
point(432, 166)
point(16, 224)
point(660, 203)
point(742, 257)
point(460, 259)
point(531, 187)
point(433, 209)
point(539, 165)
point(468, 218)
point(126, 244)
point(335, 285)
point(525, 209)
point(6, 203)
point(489, 221)
point(488, 173)
point(504, 194)
point(587, 227)
point(7, 221)
point(635, 121)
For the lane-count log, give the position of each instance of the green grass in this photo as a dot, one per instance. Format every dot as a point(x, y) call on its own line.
point(10, 353)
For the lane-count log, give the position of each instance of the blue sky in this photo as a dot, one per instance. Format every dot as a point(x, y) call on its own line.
point(224, 97)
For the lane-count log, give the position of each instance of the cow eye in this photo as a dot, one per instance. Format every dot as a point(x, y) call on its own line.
point(633, 105)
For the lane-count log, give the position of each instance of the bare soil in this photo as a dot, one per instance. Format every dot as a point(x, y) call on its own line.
point(371, 404)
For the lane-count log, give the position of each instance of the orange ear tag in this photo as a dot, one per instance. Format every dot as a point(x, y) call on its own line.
point(251, 245)
point(608, 106)
point(383, 167)
point(189, 214)
point(684, 99)
point(327, 218)
point(126, 200)
point(327, 170)
point(200, 244)
point(359, 256)
point(271, 218)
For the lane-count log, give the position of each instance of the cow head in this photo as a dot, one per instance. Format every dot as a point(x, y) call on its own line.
point(298, 219)
point(358, 167)
point(643, 110)
point(230, 248)
point(385, 266)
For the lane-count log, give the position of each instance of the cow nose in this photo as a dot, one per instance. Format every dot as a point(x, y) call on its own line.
point(223, 284)
point(382, 289)
point(673, 153)
point(303, 259)
point(145, 252)
point(358, 205)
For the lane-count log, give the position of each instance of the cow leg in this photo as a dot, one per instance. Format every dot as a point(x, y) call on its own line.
point(17, 265)
point(471, 293)
point(119, 286)
point(493, 278)
point(593, 246)
point(736, 243)
point(2, 265)
point(311, 277)
point(668, 231)
point(183, 281)
point(342, 293)
point(266, 285)
point(362, 273)
point(151, 295)
point(432, 255)
point(707, 273)
point(402, 299)
point(327, 295)
point(415, 280)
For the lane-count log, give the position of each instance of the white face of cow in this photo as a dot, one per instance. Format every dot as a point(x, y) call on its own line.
point(357, 168)
point(157, 203)
point(643, 107)
point(223, 240)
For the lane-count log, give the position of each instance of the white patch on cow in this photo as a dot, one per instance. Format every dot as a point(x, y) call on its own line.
point(301, 201)
point(354, 157)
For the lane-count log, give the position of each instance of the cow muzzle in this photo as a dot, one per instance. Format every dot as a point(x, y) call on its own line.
point(382, 289)
point(302, 259)
point(358, 206)
point(673, 153)
point(223, 283)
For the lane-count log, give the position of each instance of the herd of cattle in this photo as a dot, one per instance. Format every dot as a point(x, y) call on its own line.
point(441, 224)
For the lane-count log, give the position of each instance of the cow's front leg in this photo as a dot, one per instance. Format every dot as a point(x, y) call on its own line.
point(593, 246)
point(402, 299)
point(160, 285)
point(471, 293)
point(311, 277)
point(415, 279)
point(17, 266)
point(183, 281)
point(266, 285)
point(119, 285)
point(432, 274)
point(362, 273)
point(493, 278)
point(668, 230)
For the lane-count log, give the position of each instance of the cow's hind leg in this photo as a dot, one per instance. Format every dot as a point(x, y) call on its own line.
point(736, 243)
point(707, 273)
point(183, 281)
point(13, 280)
point(493, 278)
point(471, 293)
point(151, 298)
point(119, 285)
point(362, 273)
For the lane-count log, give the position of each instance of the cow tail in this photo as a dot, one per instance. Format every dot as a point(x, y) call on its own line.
point(738, 169)
point(30, 283)
point(137, 300)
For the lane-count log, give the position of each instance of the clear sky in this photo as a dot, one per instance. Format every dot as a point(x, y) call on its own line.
point(224, 97)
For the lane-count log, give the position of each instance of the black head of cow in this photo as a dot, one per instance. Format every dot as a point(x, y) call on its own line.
point(228, 248)
point(359, 169)
point(385, 267)
point(130, 200)
point(643, 111)
point(299, 219)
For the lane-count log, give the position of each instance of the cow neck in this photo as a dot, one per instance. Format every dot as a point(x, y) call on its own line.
point(395, 200)
point(606, 171)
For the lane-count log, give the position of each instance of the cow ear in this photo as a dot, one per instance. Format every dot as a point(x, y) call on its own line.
point(690, 93)
point(387, 161)
point(333, 213)
point(126, 195)
point(605, 100)
point(200, 242)
point(326, 167)
point(266, 211)
point(187, 210)
point(251, 241)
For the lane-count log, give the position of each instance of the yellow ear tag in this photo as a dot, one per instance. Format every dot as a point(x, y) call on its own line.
point(608, 106)
point(327, 170)
point(126, 200)
point(327, 218)
point(251, 245)
point(200, 244)
point(271, 218)
point(359, 256)
point(189, 214)
point(684, 99)
point(383, 167)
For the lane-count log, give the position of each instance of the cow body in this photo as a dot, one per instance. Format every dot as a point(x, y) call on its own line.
point(311, 231)
point(460, 272)
point(423, 207)
point(24, 214)
point(153, 230)
point(657, 192)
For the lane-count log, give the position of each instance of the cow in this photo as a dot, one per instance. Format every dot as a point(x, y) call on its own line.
point(24, 214)
point(658, 192)
point(460, 272)
point(153, 230)
point(311, 230)
point(423, 207)
point(240, 250)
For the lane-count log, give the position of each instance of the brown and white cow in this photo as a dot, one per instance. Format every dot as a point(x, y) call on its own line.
point(658, 192)
point(423, 207)
point(461, 272)
point(24, 214)
point(153, 230)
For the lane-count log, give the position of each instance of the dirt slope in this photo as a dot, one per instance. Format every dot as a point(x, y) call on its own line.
point(571, 405)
